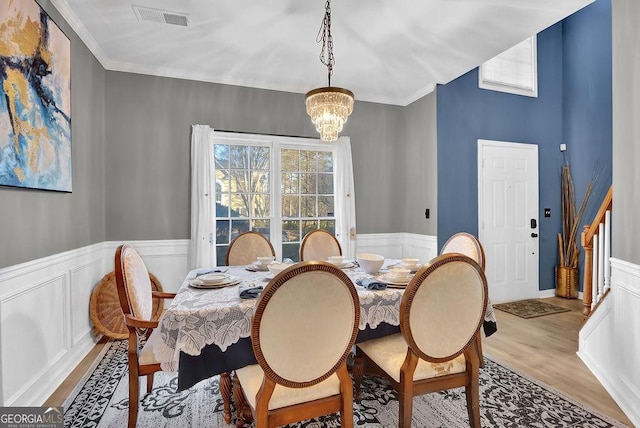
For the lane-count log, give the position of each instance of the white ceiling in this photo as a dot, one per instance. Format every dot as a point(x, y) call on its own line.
point(391, 52)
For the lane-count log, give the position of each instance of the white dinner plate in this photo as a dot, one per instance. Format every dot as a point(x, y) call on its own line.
point(213, 278)
point(391, 281)
point(413, 269)
point(232, 280)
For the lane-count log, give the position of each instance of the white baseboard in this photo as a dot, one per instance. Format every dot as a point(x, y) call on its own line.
point(609, 341)
point(45, 327)
point(543, 294)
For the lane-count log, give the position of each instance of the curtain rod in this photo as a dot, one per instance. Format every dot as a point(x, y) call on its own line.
point(269, 135)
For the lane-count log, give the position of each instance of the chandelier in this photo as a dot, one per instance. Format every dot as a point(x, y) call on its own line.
point(329, 107)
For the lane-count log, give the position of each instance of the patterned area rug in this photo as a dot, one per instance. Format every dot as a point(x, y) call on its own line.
point(507, 399)
point(530, 308)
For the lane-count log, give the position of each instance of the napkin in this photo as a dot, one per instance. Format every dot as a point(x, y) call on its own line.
point(371, 284)
point(250, 291)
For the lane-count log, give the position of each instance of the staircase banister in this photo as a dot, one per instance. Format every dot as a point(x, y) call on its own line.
point(607, 203)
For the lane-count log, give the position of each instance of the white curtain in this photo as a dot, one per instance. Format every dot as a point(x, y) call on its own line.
point(201, 248)
point(345, 198)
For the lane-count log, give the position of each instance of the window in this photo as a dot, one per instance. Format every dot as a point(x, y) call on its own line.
point(513, 71)
point(281, 187)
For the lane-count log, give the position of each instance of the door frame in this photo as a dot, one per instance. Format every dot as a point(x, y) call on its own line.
point(507, 144)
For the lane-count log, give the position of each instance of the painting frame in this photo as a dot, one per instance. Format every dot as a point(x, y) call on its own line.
point(35, 107)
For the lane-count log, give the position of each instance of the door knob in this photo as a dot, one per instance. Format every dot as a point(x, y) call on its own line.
point(534, 235)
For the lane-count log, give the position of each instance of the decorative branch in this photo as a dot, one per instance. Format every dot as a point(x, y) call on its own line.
point(568, 240)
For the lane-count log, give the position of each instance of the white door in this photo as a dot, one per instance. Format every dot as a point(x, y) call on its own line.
point(508, 217)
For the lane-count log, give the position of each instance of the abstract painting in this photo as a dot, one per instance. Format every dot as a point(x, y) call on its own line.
point(35, 106)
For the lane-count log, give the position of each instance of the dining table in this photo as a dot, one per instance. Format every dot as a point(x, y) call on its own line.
point(206, 331)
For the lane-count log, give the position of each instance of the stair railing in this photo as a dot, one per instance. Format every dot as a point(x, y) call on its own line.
point(596, 241)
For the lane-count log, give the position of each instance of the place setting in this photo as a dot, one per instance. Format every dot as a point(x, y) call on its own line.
point(412, 264)
point(396, 277)
point(214, 280)
point(340, 262)
point(261, 264)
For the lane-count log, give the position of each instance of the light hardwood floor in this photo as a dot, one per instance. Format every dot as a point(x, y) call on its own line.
point(543, 348)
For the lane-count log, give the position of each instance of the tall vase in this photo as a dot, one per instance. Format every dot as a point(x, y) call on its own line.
point(567, 282)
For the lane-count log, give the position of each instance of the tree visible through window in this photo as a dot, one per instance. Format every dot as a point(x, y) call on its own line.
point(281, 190)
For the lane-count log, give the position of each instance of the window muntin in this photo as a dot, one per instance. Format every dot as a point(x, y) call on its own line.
point(246, 172)
point(242, 174)
point(307, 196)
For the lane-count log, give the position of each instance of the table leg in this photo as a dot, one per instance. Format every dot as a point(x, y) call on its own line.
point(243, 412)
point(225, 392)
point(358, 374)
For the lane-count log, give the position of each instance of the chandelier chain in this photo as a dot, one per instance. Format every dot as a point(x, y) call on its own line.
point(324, 36)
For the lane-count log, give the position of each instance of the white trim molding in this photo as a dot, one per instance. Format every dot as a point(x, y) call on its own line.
point(45, 327)
point(609, 341)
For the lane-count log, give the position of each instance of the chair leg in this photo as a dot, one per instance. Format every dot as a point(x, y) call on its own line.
point(472, 392)
point(346, 391)
point(149, 383)
point(479, 349)
point(134, 397)
point(405, 404)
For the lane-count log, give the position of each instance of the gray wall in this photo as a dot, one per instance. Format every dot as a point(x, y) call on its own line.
point(420, 167)
point(40, 223)
point(626, 133)
point(148, 144)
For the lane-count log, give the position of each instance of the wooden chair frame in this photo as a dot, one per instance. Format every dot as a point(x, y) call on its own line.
point(407, 388)
point(314, 234)
point(251, 234)
point(138, 329)
point(342, 402)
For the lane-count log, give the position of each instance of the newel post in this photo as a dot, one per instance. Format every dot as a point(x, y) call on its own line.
point(588, 273)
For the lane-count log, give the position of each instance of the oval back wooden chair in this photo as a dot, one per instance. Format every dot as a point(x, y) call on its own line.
point(318, 245)
point(467, 244)
point(136, 300)
point(247, 247)
point(303, 329)
point(441, 312)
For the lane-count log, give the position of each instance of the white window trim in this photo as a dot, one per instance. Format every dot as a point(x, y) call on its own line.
point(484, 83)
point(275, 143)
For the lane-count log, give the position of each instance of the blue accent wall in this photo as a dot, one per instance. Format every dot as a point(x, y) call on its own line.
point(573, 107)
point(467, 113)
point(587, 100)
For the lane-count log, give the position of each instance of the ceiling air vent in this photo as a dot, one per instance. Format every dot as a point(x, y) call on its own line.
point(161, 16)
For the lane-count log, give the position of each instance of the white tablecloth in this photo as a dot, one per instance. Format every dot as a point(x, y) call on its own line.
point(198, 317)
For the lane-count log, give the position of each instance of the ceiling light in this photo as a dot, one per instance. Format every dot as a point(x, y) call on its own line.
point(329, 107)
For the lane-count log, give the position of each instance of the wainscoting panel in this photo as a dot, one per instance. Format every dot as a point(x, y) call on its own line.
point(610, 341)
point(33, 333)
point(398, 245)
point(82, 281)
point(45, 327)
